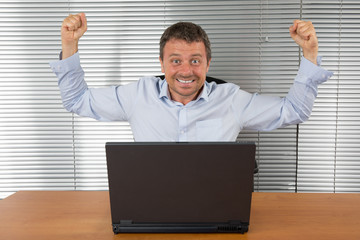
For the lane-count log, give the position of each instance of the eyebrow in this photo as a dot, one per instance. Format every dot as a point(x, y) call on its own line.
point(178, 55)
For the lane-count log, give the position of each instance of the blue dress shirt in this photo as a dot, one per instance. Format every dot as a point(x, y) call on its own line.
point(219, 113)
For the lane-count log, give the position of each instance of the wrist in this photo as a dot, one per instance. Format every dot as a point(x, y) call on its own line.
point(311, 56)
point(69, 49)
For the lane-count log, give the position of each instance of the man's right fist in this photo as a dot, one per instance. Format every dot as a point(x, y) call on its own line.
point(72, 29)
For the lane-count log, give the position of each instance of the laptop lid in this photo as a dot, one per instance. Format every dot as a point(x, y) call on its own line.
point(180, 187)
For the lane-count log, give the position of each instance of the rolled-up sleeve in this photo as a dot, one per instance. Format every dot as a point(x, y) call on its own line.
point(99, 103)
point(264, 113)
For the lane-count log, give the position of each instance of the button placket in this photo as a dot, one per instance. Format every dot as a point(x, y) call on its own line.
point(182, 124)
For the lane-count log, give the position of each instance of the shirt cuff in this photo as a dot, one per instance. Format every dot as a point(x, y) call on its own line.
point(68, 64)
point(310, 72)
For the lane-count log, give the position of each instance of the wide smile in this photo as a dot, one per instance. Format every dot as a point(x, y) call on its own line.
point(185, 81)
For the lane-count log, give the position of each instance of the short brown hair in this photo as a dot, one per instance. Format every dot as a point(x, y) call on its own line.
point(187, 31)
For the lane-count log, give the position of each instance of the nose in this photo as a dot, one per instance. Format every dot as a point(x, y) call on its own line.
point(186, 70)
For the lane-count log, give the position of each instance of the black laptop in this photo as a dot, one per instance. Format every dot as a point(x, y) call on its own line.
point(188, 187)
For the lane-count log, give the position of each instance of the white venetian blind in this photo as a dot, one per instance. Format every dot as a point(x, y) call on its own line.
point(43, 147)
point(278, 61)
point(35, 132)
point(329, 150)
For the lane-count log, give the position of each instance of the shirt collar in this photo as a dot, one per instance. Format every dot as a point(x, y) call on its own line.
point(164, 91)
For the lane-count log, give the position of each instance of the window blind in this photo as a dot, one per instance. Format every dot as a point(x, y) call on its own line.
point(35, 132)
point(329, 150)
point(43, 147)
point(278, 61)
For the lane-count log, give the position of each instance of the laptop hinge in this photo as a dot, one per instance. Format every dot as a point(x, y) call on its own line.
point(126, 222)
point(234, 226)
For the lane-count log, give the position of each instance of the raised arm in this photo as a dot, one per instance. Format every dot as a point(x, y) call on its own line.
point(72, 29)
point(268, 113)
point(105, 104)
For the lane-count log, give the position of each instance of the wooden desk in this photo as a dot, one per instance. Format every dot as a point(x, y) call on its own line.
point(86, 215)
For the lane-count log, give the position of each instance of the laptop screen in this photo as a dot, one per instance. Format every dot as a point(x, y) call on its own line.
point(170, 184)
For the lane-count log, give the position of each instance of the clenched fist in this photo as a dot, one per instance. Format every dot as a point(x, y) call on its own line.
point(304, 35)
point(72, 29)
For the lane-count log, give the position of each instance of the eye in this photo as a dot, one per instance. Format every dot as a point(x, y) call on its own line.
point(176, 61)
point(195, 61)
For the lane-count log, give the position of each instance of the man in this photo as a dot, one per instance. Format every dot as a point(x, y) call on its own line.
point(184, 107)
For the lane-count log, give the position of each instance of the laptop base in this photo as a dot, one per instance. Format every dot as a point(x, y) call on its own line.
point(229, 227)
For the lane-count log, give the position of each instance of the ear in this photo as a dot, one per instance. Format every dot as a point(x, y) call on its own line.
point(162, 65)
point(208, 65)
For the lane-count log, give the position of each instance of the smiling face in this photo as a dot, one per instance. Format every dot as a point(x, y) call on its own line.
point(185, 66)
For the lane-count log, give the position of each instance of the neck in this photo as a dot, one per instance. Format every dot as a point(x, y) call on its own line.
point(184, 99)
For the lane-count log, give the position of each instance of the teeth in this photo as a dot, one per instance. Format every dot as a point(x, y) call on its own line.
point(183, 81)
